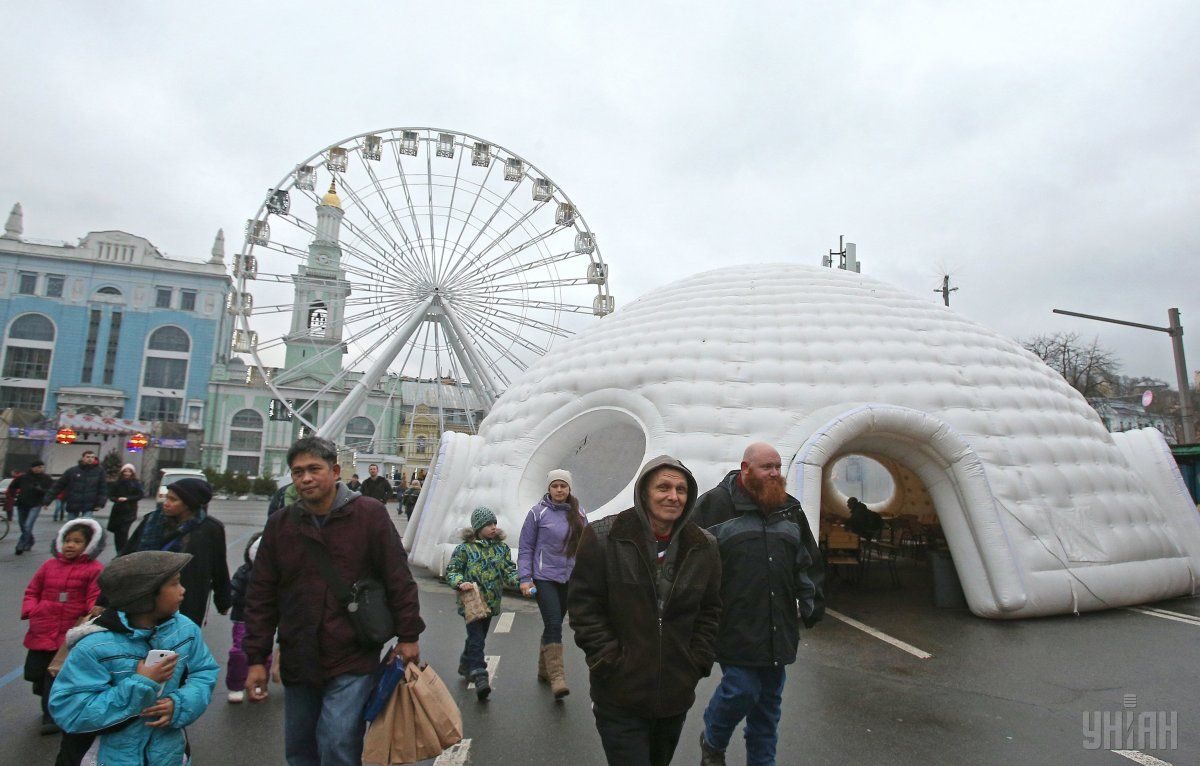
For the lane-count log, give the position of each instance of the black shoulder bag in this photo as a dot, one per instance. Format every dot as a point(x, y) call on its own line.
point(365, 601)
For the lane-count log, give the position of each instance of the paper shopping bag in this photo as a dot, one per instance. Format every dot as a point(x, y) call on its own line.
point(413, 735)
point(377, 744)
point(434, 701)
point(474, 607)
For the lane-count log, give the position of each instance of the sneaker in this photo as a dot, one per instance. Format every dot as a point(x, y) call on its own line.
point(236, 697)
point(709, 755)
point(462, 669)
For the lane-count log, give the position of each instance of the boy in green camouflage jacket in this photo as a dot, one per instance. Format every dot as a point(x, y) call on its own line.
point(481, 561)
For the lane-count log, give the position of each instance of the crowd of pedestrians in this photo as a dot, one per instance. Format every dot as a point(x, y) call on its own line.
point(657, 595)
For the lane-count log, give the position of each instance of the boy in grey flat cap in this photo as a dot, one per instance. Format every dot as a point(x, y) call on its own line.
point(138, 708)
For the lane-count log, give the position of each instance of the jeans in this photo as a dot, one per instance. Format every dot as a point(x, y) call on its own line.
point(324, 726)
point(552, 603)
point(472, 656)
point(635, 741)
point(755, 694)
point(26, 518)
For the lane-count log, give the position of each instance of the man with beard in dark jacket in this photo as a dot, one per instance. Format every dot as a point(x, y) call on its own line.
point(85, 485)
point(771, 580)
point(644, 601)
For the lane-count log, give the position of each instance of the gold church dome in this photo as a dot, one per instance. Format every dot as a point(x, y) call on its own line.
point(331, 198)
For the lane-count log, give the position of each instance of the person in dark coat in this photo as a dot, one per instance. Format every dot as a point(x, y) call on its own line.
point(645, 602)
point(863, 521)
point(771, 581)
point(84, 487)
point(124, 493)
point(30, 489)
point(409, 499)
point(376, 486)
point(326, 671)
point(184, 526)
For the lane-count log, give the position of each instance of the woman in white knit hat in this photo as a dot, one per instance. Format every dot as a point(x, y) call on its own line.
point(545, 558)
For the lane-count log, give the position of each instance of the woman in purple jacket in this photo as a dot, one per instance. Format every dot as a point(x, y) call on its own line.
point(545, 559)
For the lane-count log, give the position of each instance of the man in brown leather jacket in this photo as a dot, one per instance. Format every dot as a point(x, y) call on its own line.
point(644, 602)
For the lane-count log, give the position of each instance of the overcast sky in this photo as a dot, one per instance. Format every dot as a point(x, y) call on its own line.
point(1044, 153)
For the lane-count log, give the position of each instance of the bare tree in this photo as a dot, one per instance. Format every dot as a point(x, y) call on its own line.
point(1090, 369)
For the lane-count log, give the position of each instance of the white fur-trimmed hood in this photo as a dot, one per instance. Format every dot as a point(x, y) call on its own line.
point(94, 547)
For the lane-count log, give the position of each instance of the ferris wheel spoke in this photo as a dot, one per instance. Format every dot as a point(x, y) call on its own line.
point(540, 284)
point(517, 223)
point(527, 321)
point(309, 363)
point(470, 216)
point(382, 266)
point(522, 268)
point(392, 246)
point(450, 206)
point(500, 329)
point(404, 254)
point(483, 268)
point(411, 259)
point(487, 224)
point(412, 211)
point(480, 331)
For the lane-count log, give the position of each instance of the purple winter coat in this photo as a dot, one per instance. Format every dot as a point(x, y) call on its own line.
point(540, 555)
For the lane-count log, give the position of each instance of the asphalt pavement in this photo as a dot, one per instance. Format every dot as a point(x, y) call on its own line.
point(886, 679)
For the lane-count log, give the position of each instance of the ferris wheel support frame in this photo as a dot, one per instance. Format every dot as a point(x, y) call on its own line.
point(353, 401)
point(487, 380)
point(458, 347)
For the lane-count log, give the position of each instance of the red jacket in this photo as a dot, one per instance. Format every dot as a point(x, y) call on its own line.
point(316, 639)
point(62, 591)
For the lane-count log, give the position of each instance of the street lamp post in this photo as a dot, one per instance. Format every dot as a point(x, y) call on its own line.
point(1175, 330)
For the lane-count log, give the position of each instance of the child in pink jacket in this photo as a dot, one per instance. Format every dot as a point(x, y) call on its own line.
point(64, 589)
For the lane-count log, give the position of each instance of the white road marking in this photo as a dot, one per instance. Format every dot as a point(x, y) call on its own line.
point(504, 624)
point(1139, 757)
point(1187, 619)
point(455, 755)
point(914, 651)
point(492, 661)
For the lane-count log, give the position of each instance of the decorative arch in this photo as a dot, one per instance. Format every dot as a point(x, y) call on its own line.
point(36, 327)
point(169, 338)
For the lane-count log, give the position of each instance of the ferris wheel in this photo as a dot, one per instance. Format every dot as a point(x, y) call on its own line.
point(411, 254)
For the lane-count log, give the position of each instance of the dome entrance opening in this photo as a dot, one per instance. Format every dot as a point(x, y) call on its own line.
point(860, 476)
point(602, 448)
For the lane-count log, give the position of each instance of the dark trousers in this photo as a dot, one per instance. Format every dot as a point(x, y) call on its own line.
point(552, 603)
point(634, 741)
point(472, 655)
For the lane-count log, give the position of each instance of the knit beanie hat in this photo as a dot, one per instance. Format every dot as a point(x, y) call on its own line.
point(481, 517)
point(131, 582)
point(129, 467)
point(558, 474)
point(195, 493)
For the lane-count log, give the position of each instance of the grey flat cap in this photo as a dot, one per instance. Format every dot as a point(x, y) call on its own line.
point(131, 582)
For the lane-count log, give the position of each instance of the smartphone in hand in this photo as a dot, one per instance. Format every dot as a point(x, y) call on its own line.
point(157, 656)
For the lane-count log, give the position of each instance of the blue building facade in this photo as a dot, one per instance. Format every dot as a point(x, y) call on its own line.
point(111, 329)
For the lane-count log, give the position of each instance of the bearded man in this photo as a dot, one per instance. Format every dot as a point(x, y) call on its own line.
point(771, 578)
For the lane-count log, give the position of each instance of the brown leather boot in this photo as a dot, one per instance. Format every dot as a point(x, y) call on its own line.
point(554, 669)
point(542, 675)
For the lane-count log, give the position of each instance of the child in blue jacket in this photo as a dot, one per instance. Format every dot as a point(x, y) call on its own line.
point(106, 687)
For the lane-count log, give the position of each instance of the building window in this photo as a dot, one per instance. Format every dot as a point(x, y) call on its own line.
point(54, 285)
point(164, 408)
point(245, 433)
point(161, 372)
point(359, 433)
point(89, 348)
point(187, 300)
point(27, 283)
point(243, 464)
point(21, 362)
point(162, 298)
point(421, 445)
point(169, 338)
point(110, 356)
point(32, 327)
point(22, 398)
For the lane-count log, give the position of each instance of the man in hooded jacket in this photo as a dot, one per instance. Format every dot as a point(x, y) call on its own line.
point(644, 603)
point(772, 575)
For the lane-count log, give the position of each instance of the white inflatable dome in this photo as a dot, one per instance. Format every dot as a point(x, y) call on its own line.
point(1044, 511)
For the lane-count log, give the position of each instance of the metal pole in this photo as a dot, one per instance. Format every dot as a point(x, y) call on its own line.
point(1175, 330)
point(1185, 395)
